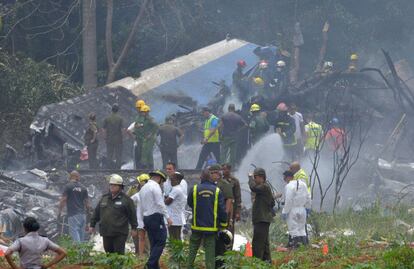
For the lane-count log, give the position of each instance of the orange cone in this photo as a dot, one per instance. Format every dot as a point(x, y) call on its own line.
point(1, 253)
point(248, 252)
point(325, 249)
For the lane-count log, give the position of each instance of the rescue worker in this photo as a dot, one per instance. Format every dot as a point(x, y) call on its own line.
point(353, 64)
point(141, 180)
point(114, 212)
point(91, 141)
point(285, 126)
point(300, 174)
point(239, 82)
point(146, 132)
point(300, 129)
point(297, 204)
point(313, 134)
point(258, 125)
point(152, 212)
point(236, 190)
point(131, 130)
point(336, 136)
point(211, 142)
point(168, 141)
point(262, 214)
point(133, 192)
point(230, 126)
point(279, 81)
point(113, 126)
point(327, 68)
point(209, 215)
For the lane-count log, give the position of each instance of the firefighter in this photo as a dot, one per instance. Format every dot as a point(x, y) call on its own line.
point(262, 214)
point(149, 130)
point(239, 81)
point(211, 142)
point(258, 125)
point(131, 131)
point(209, 216)
point(285, 126)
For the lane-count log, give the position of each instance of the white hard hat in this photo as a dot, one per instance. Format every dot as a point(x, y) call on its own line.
point(280, 63)
point(116, 179)
point(328, 64)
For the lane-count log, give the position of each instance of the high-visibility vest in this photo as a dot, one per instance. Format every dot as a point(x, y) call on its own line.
point(207, 126)
point(202, 224)
point(301, 175)
point(313, 135)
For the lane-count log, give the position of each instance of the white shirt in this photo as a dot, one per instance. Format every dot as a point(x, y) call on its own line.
point(298, 122)
point(152, 200)
point(168, 187)
point(136, 200)
point(177, 207)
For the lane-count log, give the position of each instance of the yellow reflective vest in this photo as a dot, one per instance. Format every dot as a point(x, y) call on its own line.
point(301, 175)
point(207, 126)
point(313, 135)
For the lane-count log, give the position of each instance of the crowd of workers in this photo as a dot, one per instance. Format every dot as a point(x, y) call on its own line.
point(155, 208)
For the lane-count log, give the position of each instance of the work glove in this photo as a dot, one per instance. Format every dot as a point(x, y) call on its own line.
point(284, 216)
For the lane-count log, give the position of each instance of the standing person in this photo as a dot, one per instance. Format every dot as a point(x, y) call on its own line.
point(91, 141)
point(262, 214)
point(113, 126)
point(336, 136)
point(314, 135)
point(139, 242)
point(235, 183)
point(209, 215)
point(285, 126)
point(230, 125)
point(148, 132)
point(137, 136)
point(300, 174)
point(239, 82)
point(176, 202)
point(258, 125)
point(170, 170)
point(75, 198)
point(300, 128)
point(31, 248)
point(297, 204)
point(168, 141)
point(153, 211)
point(114, 212)
point(211, 142)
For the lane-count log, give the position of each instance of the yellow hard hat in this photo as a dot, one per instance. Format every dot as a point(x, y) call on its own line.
point(259, 81)
point(145, 108)
point(139, 103)
point(255, 107)
point(143, 178)
point(354, 56)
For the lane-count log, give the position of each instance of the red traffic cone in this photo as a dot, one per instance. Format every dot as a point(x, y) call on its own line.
point(248, 252)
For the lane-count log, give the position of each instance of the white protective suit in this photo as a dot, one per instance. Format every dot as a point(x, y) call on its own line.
point(297, 199)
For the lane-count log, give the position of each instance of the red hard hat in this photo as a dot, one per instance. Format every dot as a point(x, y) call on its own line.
point(282, 107)
point(241, 63)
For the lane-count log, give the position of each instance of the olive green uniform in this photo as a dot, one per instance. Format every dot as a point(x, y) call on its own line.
point(258, 127)
point(91, 133)
point(113, 127)
point(114, 214)
point(262, 216)
point(145, 134)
